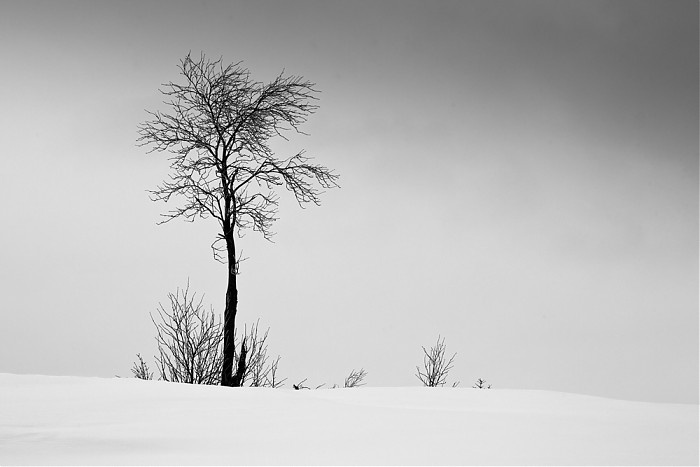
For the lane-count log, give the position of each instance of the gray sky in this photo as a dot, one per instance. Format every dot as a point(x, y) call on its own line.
point(519, 177)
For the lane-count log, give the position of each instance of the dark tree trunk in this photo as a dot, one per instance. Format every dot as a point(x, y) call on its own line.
point(227, 376)
point(240, 370)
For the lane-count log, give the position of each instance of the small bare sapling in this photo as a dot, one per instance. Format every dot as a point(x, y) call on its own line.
point(435, 365)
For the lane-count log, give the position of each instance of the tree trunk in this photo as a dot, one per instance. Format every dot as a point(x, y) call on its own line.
point(227, 376)
point(240, 370)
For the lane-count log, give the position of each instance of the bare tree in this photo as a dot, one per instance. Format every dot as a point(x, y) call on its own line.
point(218, 131)
point(141, 370)
point(355, 378)
point(189, 340)
point(435, 365)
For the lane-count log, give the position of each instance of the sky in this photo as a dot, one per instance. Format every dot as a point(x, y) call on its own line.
point(520, 178)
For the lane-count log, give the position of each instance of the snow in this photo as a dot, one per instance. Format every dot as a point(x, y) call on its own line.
point(73, 420)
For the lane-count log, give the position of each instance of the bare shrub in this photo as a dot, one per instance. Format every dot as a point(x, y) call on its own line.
point(141, 370)
point(355, 378)
point(300, 385)
point(481, 384)
point(435, 366)
point(190, 340)
point(260, 371)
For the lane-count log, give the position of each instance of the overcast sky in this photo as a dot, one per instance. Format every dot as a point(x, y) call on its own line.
point(518, 177)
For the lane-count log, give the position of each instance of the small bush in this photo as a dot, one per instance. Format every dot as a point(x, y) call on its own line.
point(355, 378)
point(435, 366)
point(260, 370)
point(141, 370)
point(481, 384)
point(189, 340)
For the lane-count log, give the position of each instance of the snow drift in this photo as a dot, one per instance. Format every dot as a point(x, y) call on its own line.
point(71, 420)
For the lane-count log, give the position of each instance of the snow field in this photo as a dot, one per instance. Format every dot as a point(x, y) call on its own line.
point(74, 420)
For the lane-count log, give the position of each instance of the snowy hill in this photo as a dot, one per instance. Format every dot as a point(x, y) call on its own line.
point(71, 420)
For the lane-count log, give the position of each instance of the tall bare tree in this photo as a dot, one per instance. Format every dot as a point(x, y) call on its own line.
point(218, 129)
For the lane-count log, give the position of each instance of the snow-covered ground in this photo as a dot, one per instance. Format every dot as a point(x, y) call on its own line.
point(71, 420)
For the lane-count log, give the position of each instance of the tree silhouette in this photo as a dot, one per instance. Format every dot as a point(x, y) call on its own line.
point(189, 340)
point(218, 130)
point(481, 384)
point(435, 365)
